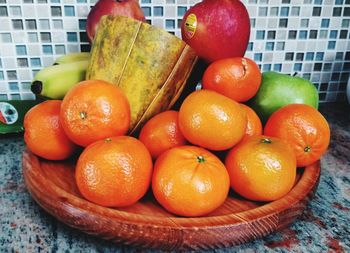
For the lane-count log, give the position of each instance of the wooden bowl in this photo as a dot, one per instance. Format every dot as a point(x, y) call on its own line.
point(148, 225)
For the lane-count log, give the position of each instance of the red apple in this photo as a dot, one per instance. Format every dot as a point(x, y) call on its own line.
point(217, 29)
point(128, 8)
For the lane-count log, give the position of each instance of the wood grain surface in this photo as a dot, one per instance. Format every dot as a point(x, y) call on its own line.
point(146, 224)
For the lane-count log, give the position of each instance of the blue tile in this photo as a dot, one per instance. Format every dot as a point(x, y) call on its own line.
point(2, 75)
point(158, 11)
point(82, 24)
point(325, 23)
point(338, 2)
point(309, 56)
point(277, 67)
point(146, 1)
point(319, 56)
point(333, 34)
point(250, 46)
point(170, 24)
point(284, 11)
point(181, 11)
point(35, 62)
point(260, 35)
point(146, 11)
point(266, 67)
point(297, 66)
point(257, 56)
point(81, 1)
point(13, 86)
point(331, 44)
point(21, 50)
point(69, 11)
point(72, 37)
point(47, 49)
point(302, 34)
point(270, 46)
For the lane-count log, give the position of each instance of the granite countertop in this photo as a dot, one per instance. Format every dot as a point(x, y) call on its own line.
point(324, 226)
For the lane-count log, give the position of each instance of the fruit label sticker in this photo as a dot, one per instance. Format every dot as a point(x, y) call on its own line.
point(8, 113)
point(190, 25)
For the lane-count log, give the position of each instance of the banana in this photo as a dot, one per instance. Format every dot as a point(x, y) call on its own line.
point(55, 81)
point(72, 57)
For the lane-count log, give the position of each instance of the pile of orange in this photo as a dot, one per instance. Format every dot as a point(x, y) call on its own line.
point(172, 154)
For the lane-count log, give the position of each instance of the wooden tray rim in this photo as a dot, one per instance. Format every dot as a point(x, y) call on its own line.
point(66, 198)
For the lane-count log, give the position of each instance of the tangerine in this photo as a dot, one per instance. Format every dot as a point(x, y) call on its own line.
point(254, 125)
point(161, 133)
point(190, 181)
point(211, 120)
point(237, 78)
point(44, 135)
point(261, 168)
point(94, 110)
point(114, 172)
point(304, 128)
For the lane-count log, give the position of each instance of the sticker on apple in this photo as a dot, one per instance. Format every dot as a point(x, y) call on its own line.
point(190, 25)
point(8, 113)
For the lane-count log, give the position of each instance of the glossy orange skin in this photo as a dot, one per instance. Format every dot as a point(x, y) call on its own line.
point(254, 125)
point(211, 120)
point(161, 133)
point(114, 172)
point(93, 110)
point(304, 128)
point(44, 135)
point(261, 171)
point(188, 186)
point(237, 78)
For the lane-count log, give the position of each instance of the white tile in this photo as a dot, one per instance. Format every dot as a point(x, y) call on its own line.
point(58, 36)
point(24, 75)
point(34, 49)
point(70, 24)
point(19, 37)
point(5, 24)
point(7, 50)
point(9, 63)
point(43, 11)
point(29, 11)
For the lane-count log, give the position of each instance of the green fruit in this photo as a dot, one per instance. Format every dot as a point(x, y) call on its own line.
point(277, 90)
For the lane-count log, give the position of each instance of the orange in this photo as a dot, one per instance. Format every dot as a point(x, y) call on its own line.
point(114, 172)
point(261, 168)
point(211, 120)
point(93, 110)
point(304, 128)
point(190, 181)
point(254, 125)
point(237, 78)
point(161, 133)
point(43, 133)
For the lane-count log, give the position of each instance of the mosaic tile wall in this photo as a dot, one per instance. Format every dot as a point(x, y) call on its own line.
point(310, 37)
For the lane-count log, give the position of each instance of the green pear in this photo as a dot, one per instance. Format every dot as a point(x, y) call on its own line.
point(277, 90)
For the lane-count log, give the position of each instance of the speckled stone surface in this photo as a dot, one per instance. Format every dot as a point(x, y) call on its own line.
point(324, 227)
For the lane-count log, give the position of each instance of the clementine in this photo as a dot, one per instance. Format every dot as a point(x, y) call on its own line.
point(161, 133)
point(304, 128)
point(93, 110)
point(261, 168)
point(237, 78)
point(43, 133)
point(254, 125)
point(114, 172)
point(211, 120)
point(190, 181)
